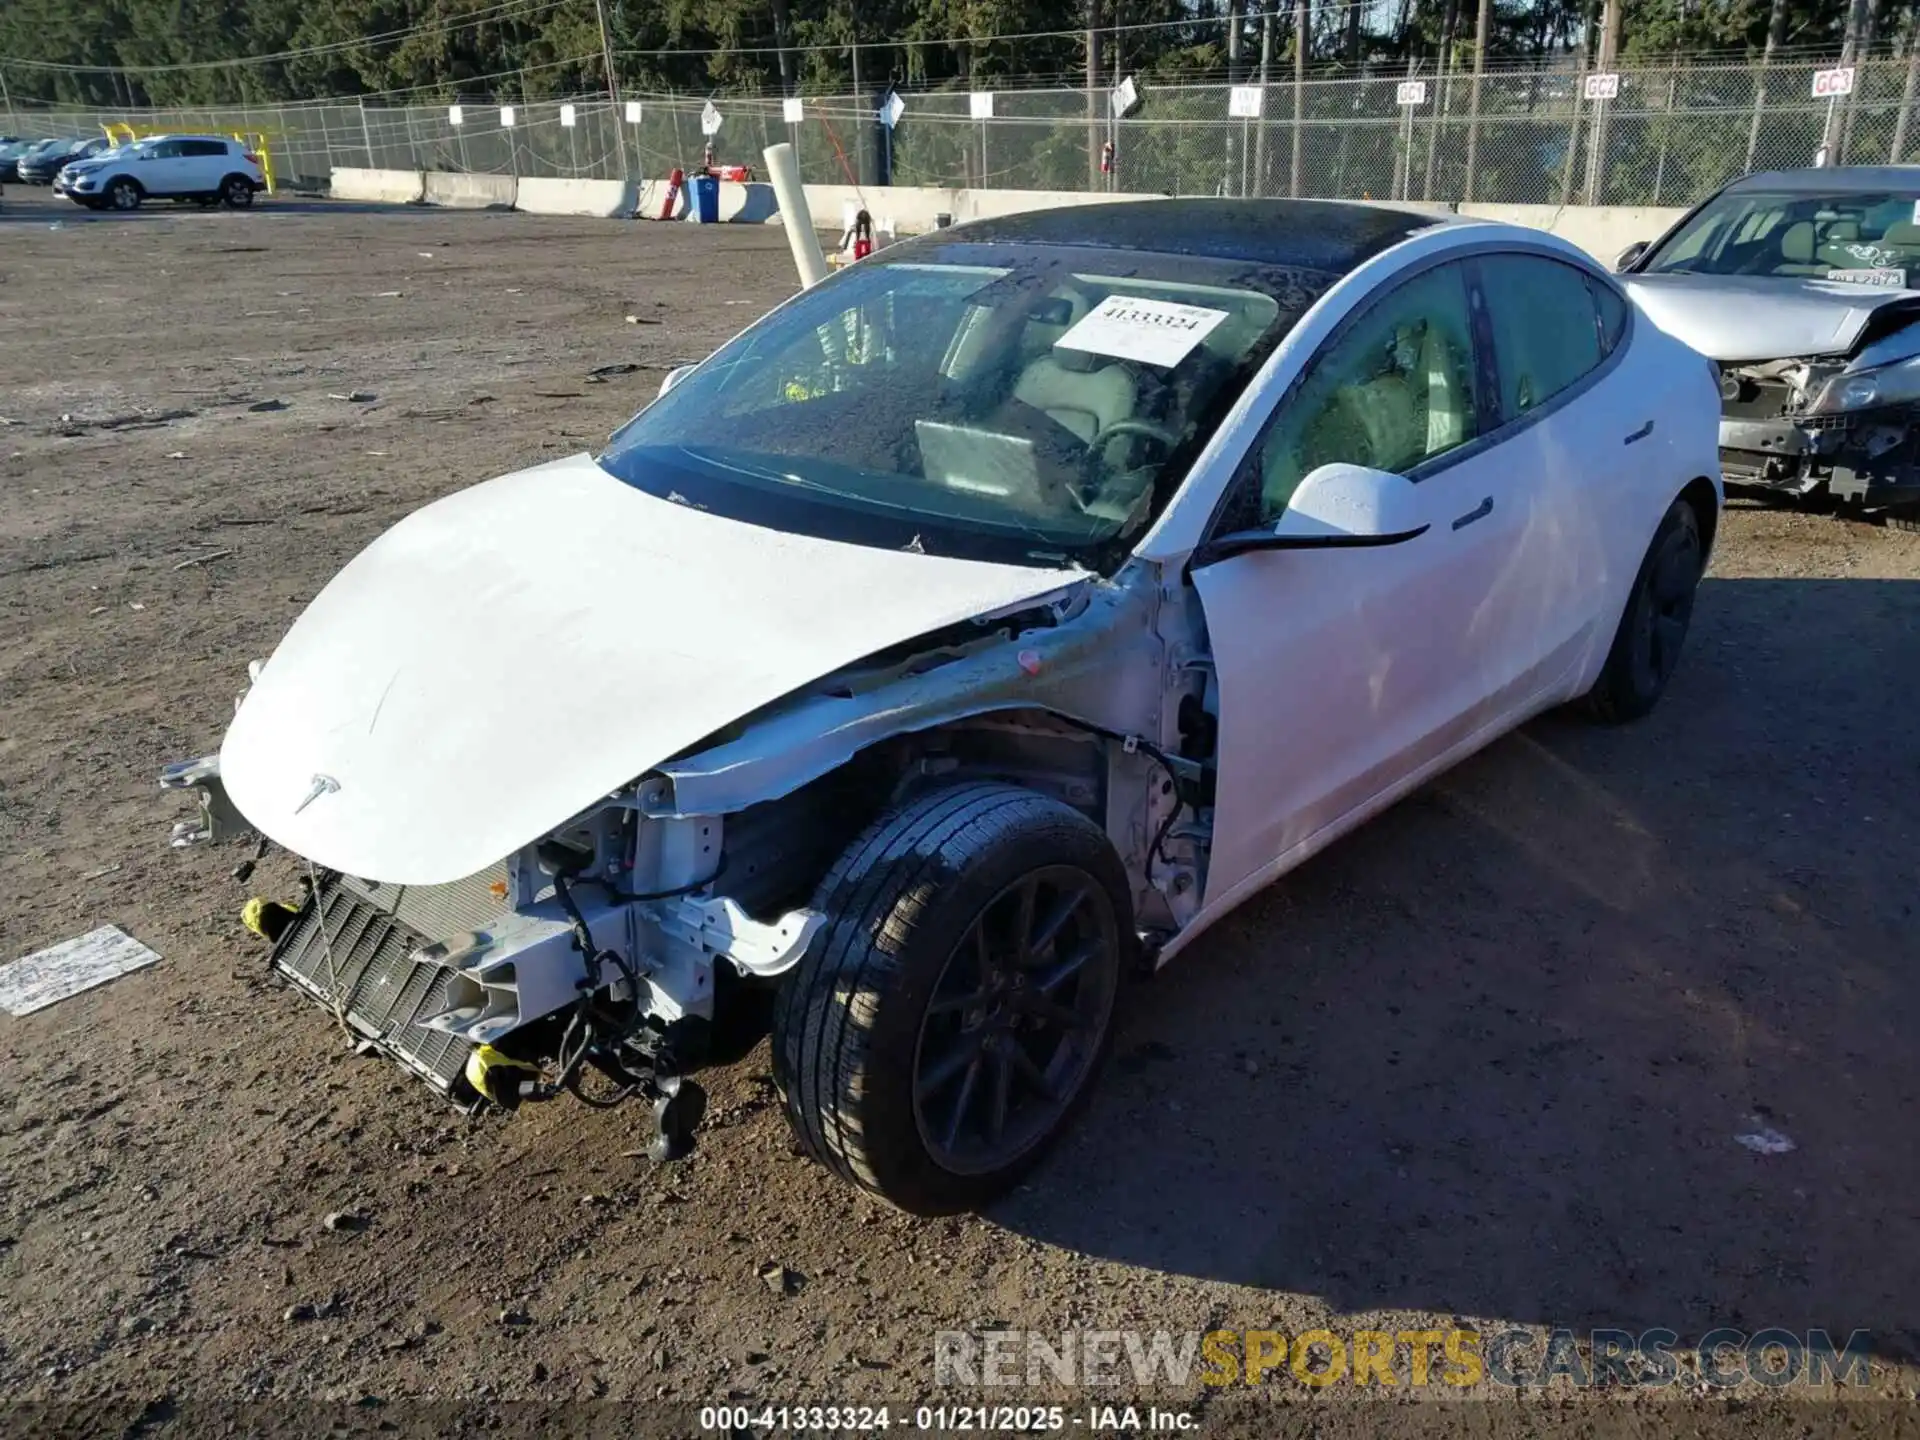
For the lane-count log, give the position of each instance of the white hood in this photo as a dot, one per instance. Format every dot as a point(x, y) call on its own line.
point(503, 658)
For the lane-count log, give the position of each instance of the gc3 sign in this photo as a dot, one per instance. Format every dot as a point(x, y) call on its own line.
point(1828, 84)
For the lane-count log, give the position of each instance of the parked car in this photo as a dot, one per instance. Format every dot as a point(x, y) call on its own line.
point(26, 151)
point(44, 164)
point(206, 168)
point(984, 622)
point(11, 148)
point(1802, 284)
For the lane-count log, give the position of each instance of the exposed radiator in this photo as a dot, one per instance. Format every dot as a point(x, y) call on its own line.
point(371, 976)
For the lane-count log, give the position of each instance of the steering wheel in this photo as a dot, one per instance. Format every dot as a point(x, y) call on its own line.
point(1146, 429)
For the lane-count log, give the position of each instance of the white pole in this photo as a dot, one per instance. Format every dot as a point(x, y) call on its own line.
point(784, 171)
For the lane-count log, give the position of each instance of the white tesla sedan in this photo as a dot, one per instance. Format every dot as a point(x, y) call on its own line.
point(984, 622)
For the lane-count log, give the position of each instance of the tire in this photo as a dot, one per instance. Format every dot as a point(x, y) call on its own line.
point(236, 192)
point(1653, 628)
point(124, 194)
point(911, 1020)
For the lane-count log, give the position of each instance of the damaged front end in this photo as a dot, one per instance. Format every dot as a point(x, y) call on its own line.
point(619, 953)
point(1824, 427)
point(587, 963)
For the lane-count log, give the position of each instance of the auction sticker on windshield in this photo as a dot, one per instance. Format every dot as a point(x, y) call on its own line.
point(1894, 278)
point(1155, 332)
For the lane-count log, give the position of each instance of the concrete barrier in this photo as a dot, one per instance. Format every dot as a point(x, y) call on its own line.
point(616, 199)
point(385, 187)
point(471, 192)
point(1603, 231)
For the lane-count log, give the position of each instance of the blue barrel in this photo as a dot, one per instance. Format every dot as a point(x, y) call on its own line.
point(706, 199)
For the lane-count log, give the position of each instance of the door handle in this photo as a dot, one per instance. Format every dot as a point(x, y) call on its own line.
point(1640, 434)
point(1479, 512)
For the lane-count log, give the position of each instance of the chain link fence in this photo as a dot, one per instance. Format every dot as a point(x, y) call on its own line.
point(1673, 133)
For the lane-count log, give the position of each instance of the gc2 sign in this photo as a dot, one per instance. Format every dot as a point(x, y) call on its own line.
point(1603, 86)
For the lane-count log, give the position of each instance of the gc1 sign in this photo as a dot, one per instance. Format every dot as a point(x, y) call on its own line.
point(1829, 83)
point(1410, 92)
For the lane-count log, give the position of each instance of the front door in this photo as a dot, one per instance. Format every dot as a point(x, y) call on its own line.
point(1343, 672)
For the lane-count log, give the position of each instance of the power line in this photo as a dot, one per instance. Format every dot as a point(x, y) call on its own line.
point(508, 10)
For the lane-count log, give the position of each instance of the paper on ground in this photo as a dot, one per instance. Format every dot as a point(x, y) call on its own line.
point(1155, 332)
point(52, 975)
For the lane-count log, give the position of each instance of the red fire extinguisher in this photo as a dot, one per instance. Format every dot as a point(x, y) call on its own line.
point(862, 235)
point(1106, 158)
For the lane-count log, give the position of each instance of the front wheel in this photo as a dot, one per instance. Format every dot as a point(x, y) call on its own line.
point(1646, 648)
point(124, 194)
point(949, 1020)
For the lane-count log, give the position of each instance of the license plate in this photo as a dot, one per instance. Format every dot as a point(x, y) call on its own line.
point(1890, 278)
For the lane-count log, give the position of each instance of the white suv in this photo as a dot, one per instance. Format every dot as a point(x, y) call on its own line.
point(206, 168)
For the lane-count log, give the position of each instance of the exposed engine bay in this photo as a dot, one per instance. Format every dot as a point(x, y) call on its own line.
point(617, 955)
point(1815, 426)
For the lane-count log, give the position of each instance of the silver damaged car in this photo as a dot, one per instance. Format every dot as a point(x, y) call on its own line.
point(1802, 285)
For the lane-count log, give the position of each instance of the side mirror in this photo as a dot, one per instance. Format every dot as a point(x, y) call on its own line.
point(674, 377)
point(1337, 507)
point(1630, 255)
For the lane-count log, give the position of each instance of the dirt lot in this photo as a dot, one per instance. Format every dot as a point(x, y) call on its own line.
point(1484, 1063)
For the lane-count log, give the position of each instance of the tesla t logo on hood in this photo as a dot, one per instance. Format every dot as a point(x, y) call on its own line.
point(322, 785)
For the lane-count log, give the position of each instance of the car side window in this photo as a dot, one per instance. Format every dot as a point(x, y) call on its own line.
point(1611, 307)
point(1392, 389)
point(1546, 332)
point(166, 150)
point(202, 147)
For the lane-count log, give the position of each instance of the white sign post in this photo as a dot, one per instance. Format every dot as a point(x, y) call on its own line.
point(633, 112)
point(506, 117)
point(1244, 102)
point(1409, 95)
point(710, 119)
point(793, 110)
point(456, 116)
point(980, 108)
point(1123, 97)
point(567, 116)
point(1830, 85)
point(1602, 86)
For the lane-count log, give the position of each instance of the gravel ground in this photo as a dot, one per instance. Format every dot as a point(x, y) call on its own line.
point(1484, 1063)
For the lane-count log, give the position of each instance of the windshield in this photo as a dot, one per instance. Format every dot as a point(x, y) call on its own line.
point(1027, 404)
point(1867, 238)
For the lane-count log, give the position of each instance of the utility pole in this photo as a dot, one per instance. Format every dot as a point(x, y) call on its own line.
point(1302, 43)
point(13, 121)
point(613, 88)
point(1096, 97)
point(1260, 134)
point(1481, 25)
point(1776, 37)
point(1597, 135)
point(1850, 50)
point(1899, 145)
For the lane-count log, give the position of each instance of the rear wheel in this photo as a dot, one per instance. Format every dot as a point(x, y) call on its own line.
point(1646, 648)
point(124, 194)
point(948, 1022)
point(237, 192)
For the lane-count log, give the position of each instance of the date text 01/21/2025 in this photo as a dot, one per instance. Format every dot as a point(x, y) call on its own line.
point(943, 1419)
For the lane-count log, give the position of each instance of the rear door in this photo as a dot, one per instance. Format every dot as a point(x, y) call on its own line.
point(207, 160)
point(1581, 425)
point(1345, 673)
